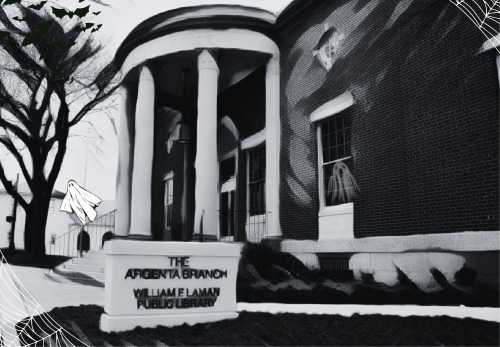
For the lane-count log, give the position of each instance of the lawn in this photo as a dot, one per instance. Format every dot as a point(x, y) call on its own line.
point(265, 329)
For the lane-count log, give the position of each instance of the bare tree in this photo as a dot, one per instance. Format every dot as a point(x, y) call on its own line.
point(50, 80)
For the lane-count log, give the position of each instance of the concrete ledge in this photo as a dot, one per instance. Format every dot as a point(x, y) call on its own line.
point(110, 323)
point(470, 241)
point(145, 248)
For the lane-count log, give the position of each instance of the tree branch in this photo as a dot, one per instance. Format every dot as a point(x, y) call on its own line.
point(11, 47)
point(96, 101)
point(46, 101)
point(16, 130)
point(62, 132)
point(4, 18)
point(14, 106)
point(47, 125)
point(7, 142)
point(9, 187)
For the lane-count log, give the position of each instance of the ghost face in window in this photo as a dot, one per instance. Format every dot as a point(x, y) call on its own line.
point(328, 47)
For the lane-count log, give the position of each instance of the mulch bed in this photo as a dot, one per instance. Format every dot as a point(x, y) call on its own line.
point(264, 329)
point(21, 258)
point(266, 275)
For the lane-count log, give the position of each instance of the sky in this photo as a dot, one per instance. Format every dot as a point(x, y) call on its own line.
point(92, 153)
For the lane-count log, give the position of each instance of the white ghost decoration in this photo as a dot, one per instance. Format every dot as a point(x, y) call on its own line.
point(80, 202)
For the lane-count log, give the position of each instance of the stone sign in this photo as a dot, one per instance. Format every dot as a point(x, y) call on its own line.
point(149, 283)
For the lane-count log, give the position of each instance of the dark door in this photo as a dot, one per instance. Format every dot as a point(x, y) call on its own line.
point(227, 206)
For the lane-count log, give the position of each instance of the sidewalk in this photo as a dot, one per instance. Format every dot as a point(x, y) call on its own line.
point(51, 290)
point(484, 313)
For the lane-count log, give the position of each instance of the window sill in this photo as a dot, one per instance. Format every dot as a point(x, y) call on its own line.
point(347, 208)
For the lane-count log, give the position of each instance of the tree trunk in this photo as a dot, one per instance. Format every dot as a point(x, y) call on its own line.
point(35, 224)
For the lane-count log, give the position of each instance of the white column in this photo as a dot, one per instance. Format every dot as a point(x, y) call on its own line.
point(206, 165)
point(273, 135)
point(140, 220)
point(124, 174)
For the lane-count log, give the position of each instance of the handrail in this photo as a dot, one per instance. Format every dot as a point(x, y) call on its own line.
point(62, 244)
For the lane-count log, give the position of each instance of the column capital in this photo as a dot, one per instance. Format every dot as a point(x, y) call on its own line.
point(206, 61)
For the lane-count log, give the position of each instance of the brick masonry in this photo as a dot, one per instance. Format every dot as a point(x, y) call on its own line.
point(425, 118)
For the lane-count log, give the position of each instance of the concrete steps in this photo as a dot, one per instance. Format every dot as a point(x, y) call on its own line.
point(90, 265)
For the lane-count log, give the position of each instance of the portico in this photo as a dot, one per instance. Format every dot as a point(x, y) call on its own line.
point(184, 163)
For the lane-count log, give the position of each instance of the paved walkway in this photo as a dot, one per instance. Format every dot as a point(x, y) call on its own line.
point(52, 290)
point(483, 313)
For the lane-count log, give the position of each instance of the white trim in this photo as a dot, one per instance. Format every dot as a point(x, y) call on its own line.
point(335, 210)
point(273, 146)
point(469, 241)
point(491, 43)
point(190, 40)
point(227, 122)
point(254, 140)
point(231, 153)
point(336, 222)
point(228, 186)
point(172, 248)
point(219, 10)
point(169, 175)
point(321, 175)
point(332, 107)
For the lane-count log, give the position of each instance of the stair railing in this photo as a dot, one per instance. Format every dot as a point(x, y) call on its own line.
point(66, 244)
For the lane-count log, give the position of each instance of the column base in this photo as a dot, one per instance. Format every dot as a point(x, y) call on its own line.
point(109, 323)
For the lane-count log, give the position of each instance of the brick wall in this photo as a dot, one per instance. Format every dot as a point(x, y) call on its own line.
point(425, 118)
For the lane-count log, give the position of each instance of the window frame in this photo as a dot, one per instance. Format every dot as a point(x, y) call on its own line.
point(321, 173)
point(328, 110)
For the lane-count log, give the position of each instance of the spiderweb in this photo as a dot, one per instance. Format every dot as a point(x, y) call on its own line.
point(23, 321)
point(485, 14)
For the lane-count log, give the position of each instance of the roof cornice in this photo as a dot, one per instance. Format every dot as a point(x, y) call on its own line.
point(195, 17)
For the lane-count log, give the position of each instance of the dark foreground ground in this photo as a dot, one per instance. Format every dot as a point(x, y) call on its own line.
point(263, 329)
point(21, 258)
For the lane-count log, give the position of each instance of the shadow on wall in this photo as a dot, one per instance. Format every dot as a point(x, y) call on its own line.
point(393, 53)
